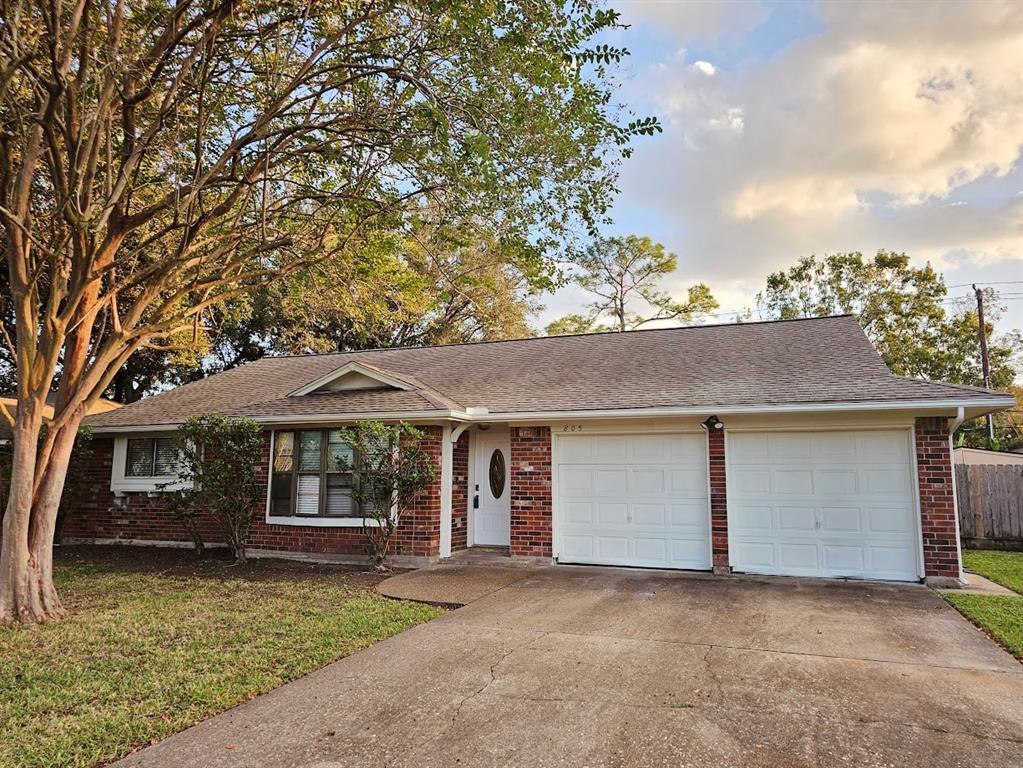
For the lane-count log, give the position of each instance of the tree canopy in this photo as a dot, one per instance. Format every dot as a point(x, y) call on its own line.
point(161, 161)
point(904, 310)
point(624, 274)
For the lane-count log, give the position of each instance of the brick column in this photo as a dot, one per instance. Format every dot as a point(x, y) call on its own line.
point(460, 493)
point(937, 499)
point(531, 533)
point(718, 500)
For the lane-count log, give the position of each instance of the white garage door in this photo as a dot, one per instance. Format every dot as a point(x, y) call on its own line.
point(633, 500)
point(822, 504)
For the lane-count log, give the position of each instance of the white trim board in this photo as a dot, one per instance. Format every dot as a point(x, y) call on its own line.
point(473, 416)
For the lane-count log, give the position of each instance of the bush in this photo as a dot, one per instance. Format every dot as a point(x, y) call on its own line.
point(219, 475)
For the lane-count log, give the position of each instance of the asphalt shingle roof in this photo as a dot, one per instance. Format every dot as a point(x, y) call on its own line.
point(821, 360)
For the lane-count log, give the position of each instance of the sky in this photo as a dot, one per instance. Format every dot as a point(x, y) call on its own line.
point(819, 127)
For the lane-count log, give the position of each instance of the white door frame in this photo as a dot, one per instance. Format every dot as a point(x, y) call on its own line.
point(478, 475)
point(910, 431)
point(566, 430)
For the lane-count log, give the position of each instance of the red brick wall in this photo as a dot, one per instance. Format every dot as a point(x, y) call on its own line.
point(937, 497)
point(531, 491)
point(99, 514)
point(460, 493)
point(92, 510)
point(718, 497)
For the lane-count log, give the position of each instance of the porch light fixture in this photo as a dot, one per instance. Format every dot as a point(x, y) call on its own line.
point(713, 423)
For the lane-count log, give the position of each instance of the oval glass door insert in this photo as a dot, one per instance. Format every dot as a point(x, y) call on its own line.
point(497, 473)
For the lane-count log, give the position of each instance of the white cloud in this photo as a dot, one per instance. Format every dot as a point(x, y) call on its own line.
point(704, 68)
point(856, 138)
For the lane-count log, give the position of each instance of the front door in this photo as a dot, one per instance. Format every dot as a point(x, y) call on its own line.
point(492, 500)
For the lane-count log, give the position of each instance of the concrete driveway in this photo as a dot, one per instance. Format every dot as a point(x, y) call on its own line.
point(609, 667)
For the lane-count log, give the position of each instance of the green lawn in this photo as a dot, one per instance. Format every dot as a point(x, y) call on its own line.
point(146, 653)
point(1006, 568)
point(1000, 615)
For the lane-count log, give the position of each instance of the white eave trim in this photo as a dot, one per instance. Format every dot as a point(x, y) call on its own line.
point(352, 367)
point(472, 415)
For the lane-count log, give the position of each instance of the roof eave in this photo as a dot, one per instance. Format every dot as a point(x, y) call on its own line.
point(973, 407)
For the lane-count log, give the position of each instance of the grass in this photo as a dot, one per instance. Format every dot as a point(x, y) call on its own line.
point(1001, 616)
point(1005, 568)
point(146, 654)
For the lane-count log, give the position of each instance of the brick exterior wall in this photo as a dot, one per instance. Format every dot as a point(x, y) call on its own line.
point(138, 516)
point(937, 497)
point(531, 533)
point(460, 493)
point(718, 498)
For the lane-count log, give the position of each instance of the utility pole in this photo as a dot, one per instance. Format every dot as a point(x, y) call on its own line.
point(982, 331)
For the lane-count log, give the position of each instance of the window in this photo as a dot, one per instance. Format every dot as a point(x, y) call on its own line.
point(152, 457)
point(312, 475)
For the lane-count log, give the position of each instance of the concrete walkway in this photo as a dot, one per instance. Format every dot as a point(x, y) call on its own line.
point(606, 667)
point(449, 585)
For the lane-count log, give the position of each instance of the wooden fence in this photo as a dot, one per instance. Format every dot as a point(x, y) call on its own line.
point(990, 505)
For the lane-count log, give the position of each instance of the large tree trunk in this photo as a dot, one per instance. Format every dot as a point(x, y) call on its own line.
point(27, 594)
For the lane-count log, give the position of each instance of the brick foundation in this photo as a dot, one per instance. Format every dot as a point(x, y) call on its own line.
point(531, 492)
point(937, 498)
point(718, 498)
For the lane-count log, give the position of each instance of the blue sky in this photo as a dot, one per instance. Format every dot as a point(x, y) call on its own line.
point(815, 127)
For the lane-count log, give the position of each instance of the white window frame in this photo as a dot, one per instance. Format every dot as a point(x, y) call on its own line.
point(309, 521)
point(121, 482)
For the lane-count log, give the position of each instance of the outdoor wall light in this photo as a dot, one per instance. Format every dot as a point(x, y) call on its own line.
point(713, 423)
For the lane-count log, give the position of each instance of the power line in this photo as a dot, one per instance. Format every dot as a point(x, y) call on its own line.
point(995, 282)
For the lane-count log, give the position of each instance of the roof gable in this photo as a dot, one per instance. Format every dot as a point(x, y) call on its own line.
point(354, 375)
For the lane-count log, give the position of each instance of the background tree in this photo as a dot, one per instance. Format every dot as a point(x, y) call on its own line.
point(392, 469)
point(160, 160)
point(218, 476)
point(624, 274)
point(904, 310)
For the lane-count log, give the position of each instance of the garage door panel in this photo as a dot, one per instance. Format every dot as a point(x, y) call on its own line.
point(834, 445)
point(879, 447)
point(609, 513)
point(647, 481)
point(650, 550)
point(843, 519)
point(752, 482)
point(690, 482)
point(575, 480)
point(649, 508)
point(790, 446)
point(798, 556)
point(579, 548)
point(692, 515)
point(843, 558)
point(754, 518)
point(755, 554)
point(579, 512)
point(792, 482)
point(846, 509)
point(795, 519)
point(650, 514)
point(836, 483)
point(613, 548)
point(885, 482)
point(890, 520)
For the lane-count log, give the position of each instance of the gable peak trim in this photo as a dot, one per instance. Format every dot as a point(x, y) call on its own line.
point(386, 378)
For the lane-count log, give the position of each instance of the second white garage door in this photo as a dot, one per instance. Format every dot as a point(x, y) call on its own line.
point(835, 503)
point(637, 499)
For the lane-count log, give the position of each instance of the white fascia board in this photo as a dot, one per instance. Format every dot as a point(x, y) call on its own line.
point(708, 410)
point(311, 419)
point(611, 413)
point(351, 367)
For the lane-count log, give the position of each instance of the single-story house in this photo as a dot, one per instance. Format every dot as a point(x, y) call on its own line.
point(781, 447)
